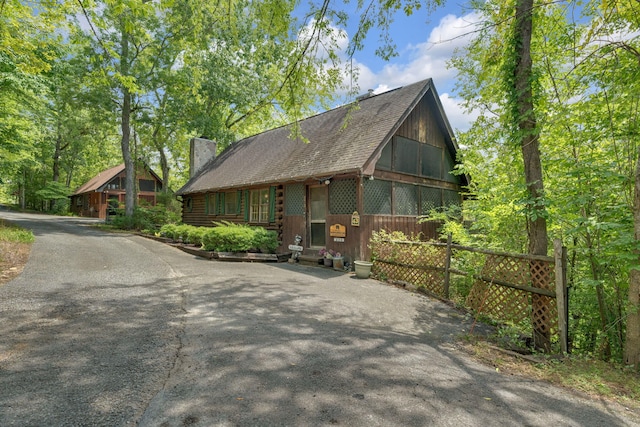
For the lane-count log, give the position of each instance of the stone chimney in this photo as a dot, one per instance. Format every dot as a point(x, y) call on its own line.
point(201, 150)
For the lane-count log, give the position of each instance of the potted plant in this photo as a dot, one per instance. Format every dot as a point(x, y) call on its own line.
point(327, 256)
point(338, 262)
point(363, 269)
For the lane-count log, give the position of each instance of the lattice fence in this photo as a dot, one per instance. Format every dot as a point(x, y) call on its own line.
point(490, 295)
point(415, 263)
point(506, 287)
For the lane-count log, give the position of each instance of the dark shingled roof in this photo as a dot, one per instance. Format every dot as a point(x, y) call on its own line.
point(343, 140)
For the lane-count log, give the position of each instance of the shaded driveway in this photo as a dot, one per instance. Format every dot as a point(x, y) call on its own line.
point(114, 329)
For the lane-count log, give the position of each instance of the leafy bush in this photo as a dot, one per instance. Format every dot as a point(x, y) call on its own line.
point(265, 240)
point(230, 237)
point(168, 230)
point(224, 237)
point(149, 218)
point(182, 232)
point(60, 207)
point(195, 235)
point(123, 222)
point(55, 194)
point(158, 215)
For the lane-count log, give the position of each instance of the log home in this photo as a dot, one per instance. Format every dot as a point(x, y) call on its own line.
point(379, 163)
point(107, 190)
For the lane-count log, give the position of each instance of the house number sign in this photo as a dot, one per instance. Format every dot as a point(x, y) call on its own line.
point(355, 219)
point(337, 230)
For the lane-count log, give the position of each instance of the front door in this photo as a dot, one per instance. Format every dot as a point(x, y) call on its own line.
point(318, 216)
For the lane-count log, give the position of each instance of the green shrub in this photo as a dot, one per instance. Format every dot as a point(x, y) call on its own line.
point(168, 230)
point(182, 232)
point(60, 207)
point(265, 240)
point(195, 235)
point(230, 237)
point(149, 218)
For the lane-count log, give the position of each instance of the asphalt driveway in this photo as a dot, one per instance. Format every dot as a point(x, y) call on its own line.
point(109, 329)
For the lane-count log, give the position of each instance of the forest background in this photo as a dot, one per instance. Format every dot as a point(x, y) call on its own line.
point(87, 84)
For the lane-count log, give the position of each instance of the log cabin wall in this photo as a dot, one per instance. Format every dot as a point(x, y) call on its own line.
point(193, 210)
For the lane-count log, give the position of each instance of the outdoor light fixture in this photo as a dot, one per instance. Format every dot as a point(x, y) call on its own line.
point(327, 181)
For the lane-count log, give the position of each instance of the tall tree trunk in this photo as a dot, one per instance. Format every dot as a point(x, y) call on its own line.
point(125, 143)
point(56, 158)
point(528, 136)
point(164, 163)
point(632, 343)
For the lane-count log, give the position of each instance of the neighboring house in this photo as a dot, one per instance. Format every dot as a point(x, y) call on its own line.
point(377, 164)
point(106, 191)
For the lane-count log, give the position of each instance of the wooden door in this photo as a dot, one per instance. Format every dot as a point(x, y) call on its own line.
point(317, 216)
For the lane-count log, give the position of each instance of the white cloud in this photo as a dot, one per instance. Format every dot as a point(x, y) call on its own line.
point(458, 118)
point(428, 60)
point(330, 38)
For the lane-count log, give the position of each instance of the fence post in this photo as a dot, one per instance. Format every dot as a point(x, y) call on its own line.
point(447, 266)
point(560, 255)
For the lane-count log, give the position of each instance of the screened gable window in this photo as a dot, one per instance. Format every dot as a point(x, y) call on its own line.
point(431, 161)
point(411, 157)
point(406, 157)
point(116, 184)
point(384, 162)
point(147, 185)
point(259, 205)
point(449, 164)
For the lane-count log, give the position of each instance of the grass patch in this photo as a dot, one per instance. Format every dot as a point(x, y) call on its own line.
point(13, 234)
point(596, 377)
point(15, 247)
point(593, 377)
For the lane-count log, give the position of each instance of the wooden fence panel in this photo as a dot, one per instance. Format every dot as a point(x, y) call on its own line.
point(508, 287)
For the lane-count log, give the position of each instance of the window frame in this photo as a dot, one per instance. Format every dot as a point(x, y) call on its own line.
point(259, 212)
point(230, 200)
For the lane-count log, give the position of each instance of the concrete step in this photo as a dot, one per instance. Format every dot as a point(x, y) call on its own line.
point(309, 259)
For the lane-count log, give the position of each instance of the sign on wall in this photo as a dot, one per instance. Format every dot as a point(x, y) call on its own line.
point(355, 219)
point(337, 230)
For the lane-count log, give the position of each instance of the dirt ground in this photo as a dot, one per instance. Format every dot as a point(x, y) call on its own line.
point(13, 257)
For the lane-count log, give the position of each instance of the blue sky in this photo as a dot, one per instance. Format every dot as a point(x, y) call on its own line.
point(424, 43)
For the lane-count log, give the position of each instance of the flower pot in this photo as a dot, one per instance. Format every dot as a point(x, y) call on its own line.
point(338, 263)
point(363, 269)
point(328, 262)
